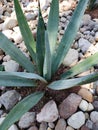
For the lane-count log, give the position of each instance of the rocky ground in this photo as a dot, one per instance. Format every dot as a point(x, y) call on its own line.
point(78, 111)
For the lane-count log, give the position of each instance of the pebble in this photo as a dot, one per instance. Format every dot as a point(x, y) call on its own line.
point(89, 124)
point(43, 126)
point(61, 125)
point(11, 66)
point(96, 36)
point(94, 116)
point(84, 128)
point(86, 19)
point(83, 105)
point(33, 128)
point(13, 127)
point(85, 94)
point(6, 58)
point(77, 120)
point(95, 104)
point(71, 58)
point(69, 128)
point(9, 23)
point(49, 112)
point(95, 126)
point(90, 107)
point(9, 99)
point(51, 125)
point(72, 102)
point(27, 120)
point(84, 44)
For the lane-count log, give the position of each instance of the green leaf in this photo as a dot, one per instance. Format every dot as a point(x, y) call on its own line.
point(47, 60)
point(81, 67)
point(69, 35)
point(25, 30)
point(40, 45)
point(53, 23)
point(68, 83)
point(1, 68)
point(21, 108)
point(23, 75)
point(9, 48)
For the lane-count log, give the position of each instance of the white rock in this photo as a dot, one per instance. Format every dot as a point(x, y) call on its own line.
point(11, 66)
point(26, 120)
point(83, 105)
point(69, 128)
point(9, 23)
point(94, 116)
point(17, 37)
point(90, 107)
point(6, 58)
point(13, 127)
point(8, 33)
point(86, 19)
point(84, 44)
point(96, 36)
point(71, 58)
point(30, 16)
point(49, 112)
point(77, 120)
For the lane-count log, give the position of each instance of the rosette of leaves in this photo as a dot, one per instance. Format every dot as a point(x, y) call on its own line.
point(46, 57)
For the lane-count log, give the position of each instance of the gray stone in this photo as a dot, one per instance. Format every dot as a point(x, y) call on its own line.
point(27, 120)
point(6, 58)
point(51, 125)
point(11, 66)
point(86, 19)
point(49, 112)
point(95, 126)
point(13, 127)
point(94, 116)
point(69, 128)
point(69, 105)
point(89, 124)
point(84, 44)
point(95, 104)
point(9, 99)
point(71, 58)
point(43, 126)
point(77, 120)
point(96, 36)
point(61, 124)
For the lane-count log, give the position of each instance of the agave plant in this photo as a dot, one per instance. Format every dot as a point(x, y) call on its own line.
point(92, 4)
point(46, 58)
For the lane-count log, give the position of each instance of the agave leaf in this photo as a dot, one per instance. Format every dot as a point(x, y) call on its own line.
point(69, 35)
point(68, 83)
point(7, 46)
point(1, 67)
point(47, 60)
point(40, 45)
point(82, 66)
point(25, 30)
point(53, 22)
point(21, 108)
point(15, 81)
point(23, 75)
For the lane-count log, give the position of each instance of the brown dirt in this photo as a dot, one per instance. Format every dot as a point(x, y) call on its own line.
point(93, 13)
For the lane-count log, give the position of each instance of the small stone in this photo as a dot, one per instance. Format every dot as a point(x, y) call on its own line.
point(43, 126)
point(9, 23)
point(89, 124)
point(90, 107)
point(9, 99)
point(95, 126)
point(6, 58)
point(84, 44)
point(13, 127)
point(71, 58)
point(33, 128)
point(8, 33)
point(86, 115)
point(96, 36)
point(95, 104)
point(83, 105)
point(17, 37)
point(77, 120)
point(51, 125)
point(86, 19)
point(69, 105)
point(11, 66)
point(30, 16)
point(49, 128)
point(63, 19)
point(85, 94)
point(61, 124)
point(94, 116)
point(84, 128)
point(27, 120)
point(69, 128)
point(49, 112)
